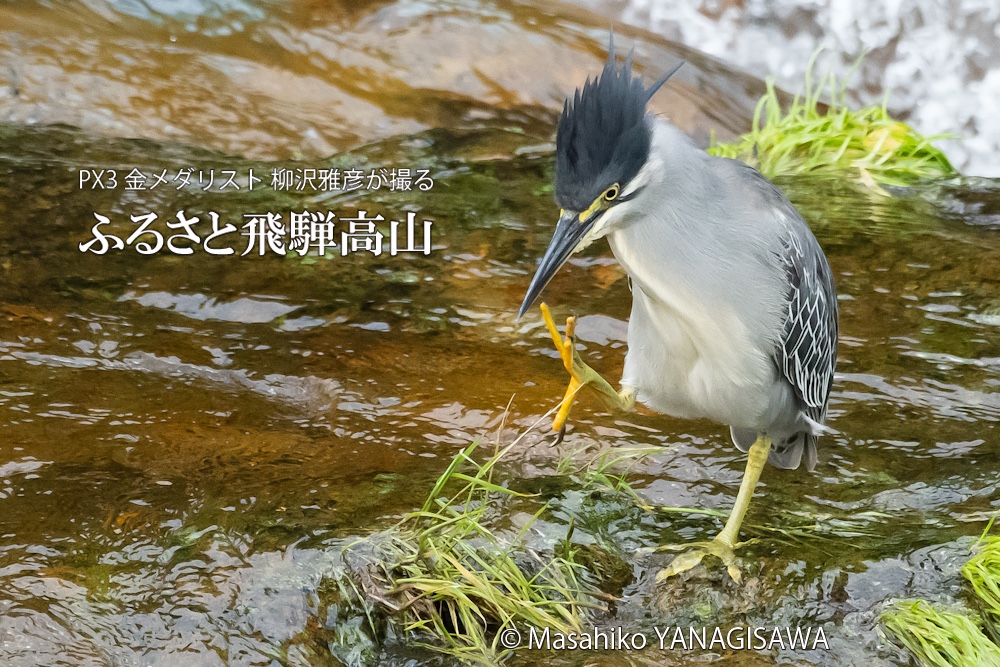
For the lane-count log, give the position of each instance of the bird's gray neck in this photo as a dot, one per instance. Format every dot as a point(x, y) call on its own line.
point(694, 233)
point(672, 209)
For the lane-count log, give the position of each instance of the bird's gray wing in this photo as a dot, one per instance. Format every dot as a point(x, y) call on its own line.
point(807, 350)
point(807, 354)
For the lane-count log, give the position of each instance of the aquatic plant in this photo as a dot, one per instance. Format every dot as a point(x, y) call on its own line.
point(449, 583)
point(830, 139)
point(983, 574)
point(607, 470)
point(940, 638)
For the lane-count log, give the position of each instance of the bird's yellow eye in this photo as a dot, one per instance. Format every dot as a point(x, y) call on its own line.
point(612, 193)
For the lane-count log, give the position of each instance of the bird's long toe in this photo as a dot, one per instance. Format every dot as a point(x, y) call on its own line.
point(566, 347)
point(693, 555)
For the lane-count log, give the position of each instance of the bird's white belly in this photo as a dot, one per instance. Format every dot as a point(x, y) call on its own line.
point(690, 360)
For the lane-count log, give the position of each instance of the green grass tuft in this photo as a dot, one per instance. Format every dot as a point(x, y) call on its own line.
point(608, 470)
point(941, 638)
point(446, 582)
point(983, 574)
point(867, 144)
point(948, 639)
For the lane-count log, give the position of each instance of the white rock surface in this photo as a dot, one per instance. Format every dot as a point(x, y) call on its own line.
point(939, 60)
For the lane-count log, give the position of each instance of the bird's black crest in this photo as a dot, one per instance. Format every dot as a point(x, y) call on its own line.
point(604, 134)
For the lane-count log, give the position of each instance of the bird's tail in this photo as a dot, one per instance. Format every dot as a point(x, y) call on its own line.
point(786, 452)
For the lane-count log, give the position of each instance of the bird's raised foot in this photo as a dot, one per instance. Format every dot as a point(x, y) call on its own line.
point(695, 552)
point(579, 372)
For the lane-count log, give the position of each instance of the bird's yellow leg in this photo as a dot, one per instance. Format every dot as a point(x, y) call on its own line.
point(725, 543)
point(581, 374)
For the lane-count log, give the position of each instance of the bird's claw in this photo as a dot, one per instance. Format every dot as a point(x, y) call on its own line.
point(579, 372)
point(695, 552)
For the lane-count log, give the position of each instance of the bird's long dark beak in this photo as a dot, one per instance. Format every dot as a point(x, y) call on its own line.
point(569, 231)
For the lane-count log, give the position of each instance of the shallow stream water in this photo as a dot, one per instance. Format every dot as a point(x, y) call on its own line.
point(187, 442)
